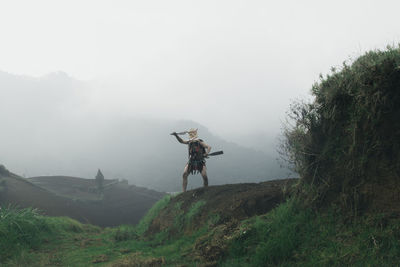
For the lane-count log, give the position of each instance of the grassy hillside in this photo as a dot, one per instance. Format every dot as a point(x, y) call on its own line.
point(287, 235)
point(177, 230)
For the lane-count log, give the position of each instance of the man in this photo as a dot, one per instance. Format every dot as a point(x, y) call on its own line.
point(198, 151)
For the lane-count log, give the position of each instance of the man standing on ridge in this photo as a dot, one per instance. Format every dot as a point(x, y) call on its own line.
point(197, 156)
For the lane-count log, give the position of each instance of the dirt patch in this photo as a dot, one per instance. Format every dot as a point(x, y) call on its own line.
point(90, 242)
point(100, 259)
point(212, 247)
point(137, 259)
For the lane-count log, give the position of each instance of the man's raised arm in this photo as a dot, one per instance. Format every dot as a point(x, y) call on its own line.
point(180, 140)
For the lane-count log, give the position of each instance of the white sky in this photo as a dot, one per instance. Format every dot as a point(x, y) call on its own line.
point(233, 66)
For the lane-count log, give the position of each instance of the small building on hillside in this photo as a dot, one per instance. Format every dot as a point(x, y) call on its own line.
point(99, 180)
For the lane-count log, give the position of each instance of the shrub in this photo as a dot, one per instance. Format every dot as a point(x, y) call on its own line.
point(350, 134)
point(19, 229)
point(194, 210)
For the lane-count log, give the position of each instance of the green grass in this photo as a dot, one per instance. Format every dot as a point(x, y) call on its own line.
point(195, 209)
point(24, 233)
point(292, 235)
point(289, 235)
point(20, 229)
point(127, 232)
point(151, 214)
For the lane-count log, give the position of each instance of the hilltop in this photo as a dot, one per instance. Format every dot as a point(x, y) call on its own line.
point(224, 204)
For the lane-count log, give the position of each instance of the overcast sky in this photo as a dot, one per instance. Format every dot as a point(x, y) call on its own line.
point(233, 66)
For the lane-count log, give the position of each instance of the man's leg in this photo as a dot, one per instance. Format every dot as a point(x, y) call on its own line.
point(185, 178)
point(204, 175)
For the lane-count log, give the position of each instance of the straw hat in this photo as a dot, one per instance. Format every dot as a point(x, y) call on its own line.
point(192, 134)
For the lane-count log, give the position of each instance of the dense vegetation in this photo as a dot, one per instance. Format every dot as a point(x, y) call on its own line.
point(348, 138)
point(25, 230)
point(19, 229)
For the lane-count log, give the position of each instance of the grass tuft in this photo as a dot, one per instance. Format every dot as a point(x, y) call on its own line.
point(127, 232)
point(195, 209)
point(151, 214)
point(19, 229)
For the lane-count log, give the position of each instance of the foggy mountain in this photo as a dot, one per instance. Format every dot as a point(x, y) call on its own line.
point(47, 129)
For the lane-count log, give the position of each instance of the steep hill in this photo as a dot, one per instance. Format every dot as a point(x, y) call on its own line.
point(224, 204)
point(77, 198)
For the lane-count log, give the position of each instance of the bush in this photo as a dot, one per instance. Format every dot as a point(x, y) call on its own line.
point(350, 134)
point(19, 229)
